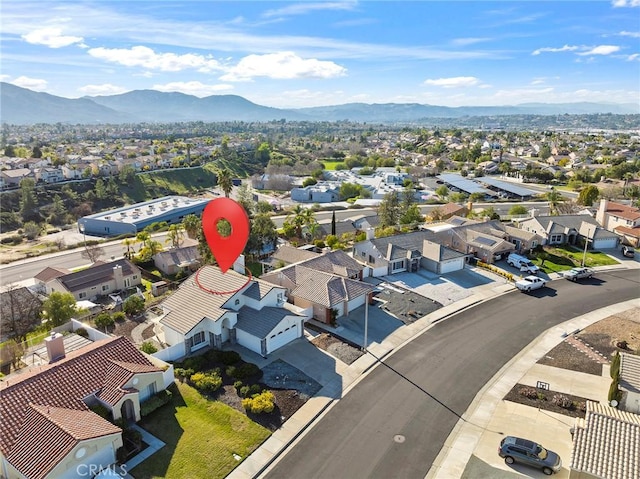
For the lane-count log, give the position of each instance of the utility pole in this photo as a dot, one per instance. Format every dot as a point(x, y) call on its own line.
point(586, 244)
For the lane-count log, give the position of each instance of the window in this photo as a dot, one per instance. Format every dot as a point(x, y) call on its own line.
point(135, 276)
point(197, 338)
point(151, 389)
point(363, 254)
point(237, 302)
point(397, 265)
point(82, 295)
point(371, 259)
point(555, 239)
point(534, 243)
point(105, 287)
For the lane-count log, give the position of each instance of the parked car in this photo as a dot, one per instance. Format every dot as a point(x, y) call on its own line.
point(529, 283)
point(574, 274)
point(522, 263)
point(515, 449)
point(628, 251)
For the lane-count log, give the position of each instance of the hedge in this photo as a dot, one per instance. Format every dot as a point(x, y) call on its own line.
point(154, 402)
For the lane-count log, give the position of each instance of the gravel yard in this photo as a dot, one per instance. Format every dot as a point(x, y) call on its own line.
point(337, 348)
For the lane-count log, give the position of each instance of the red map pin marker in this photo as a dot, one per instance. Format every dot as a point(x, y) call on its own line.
point(226, 249)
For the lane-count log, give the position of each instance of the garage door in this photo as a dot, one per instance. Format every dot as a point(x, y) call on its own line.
point(277, 339)
point(355, 302)
point(605, 243)
point(453, 265)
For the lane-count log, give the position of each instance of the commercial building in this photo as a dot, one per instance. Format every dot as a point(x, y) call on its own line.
point(134, 218)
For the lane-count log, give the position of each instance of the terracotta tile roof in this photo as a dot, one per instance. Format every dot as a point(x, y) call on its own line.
point(64, 384)
point(606, 443)
point(623, 211)
point(50, 433)
point(625, 230)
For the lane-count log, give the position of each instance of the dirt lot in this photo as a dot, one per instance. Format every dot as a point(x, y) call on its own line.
point(601, 336)
point(337, 348)
point(408, 306)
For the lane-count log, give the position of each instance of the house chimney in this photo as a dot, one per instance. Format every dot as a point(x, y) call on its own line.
point(55, 346)
point(118, 276)
point(238, 265)
point(601, 215)
point(371, 233)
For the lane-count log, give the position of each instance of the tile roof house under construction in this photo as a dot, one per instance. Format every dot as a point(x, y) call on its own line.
point(48, 428)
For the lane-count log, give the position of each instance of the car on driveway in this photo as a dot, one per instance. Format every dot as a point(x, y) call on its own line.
point(529, 283)
point(515, 449)
point(574, 274)
point(628, 251)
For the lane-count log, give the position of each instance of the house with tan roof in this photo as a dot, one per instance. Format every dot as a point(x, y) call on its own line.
point(175, 260)
point(49, 429)
point(570, 229)
point(100, 279)
point(606, 444)
point(212, 308)
point(623, 220)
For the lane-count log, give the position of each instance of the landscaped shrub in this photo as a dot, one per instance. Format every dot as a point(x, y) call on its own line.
point(119, 316)
point(195, 362)
point(228, 357)
point(183, 374)
point(206, 382)
point(244, 391)
point(154, 402)
point(82, 332)
point(255, 389)
point(13, 239)
point(614, 393)
point(148, 347)
point(531, 393)
point(103, 320)
point(614, 371)
point(133, 305)
point(495, 269)
point(244, 371)
point(259, 403)
point(562, 401)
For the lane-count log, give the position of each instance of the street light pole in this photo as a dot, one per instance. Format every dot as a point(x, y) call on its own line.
point(586, 244)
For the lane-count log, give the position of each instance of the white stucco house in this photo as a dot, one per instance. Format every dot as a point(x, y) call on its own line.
point(212, 308)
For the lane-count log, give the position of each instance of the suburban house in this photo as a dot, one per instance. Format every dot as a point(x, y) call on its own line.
point(621, 219)
point(100, 279)
point(49, 429)
point(329, 295)
point(14, 177)
point(630, 382)
point(212, 308)
point(46, 275)
point(407, 252)
point(322, 192)
point(286, 255)
point(448, 210)
point(176, 260)
point(568, 229)
point(605, 444)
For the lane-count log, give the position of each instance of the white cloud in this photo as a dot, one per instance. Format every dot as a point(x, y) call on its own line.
point(629, 34)
point(469, 41)
point(308, 7)
point(35, 84)
point(601, 50)
point(565, 48)
point(454, 82)
point(634, 57)
point(195, 88)
point(51, 37)
point(282, 66)
point(626, 3)
point(104, 89)
point(141, 56)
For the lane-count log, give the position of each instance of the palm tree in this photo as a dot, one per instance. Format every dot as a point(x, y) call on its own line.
point(143, 237)
point(297, 216)
point(129, 242)
point(192, 224)
point(554, 197)
point(175, 235)
point(225, 182)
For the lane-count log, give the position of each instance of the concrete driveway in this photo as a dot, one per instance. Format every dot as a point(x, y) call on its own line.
point(380, 325)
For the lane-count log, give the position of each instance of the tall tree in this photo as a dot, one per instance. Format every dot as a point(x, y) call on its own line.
point(389, 210)
point(224, 181)
point(19, 312)
point(28, 202)
point(175, 235)
point(442, 192)
point(59, 308)
point(263, 235)
point(192, 225)
point(588, 195)
point(92, 252)
point(554, 197)
point(333, 223)
point(129, 243)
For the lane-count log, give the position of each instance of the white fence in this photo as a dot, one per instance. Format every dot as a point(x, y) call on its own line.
point(172, 353)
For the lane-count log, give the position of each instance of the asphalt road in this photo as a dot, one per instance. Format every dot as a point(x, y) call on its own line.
point(395, 421)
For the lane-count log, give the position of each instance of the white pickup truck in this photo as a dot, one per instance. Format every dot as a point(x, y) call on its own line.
point(529, 283)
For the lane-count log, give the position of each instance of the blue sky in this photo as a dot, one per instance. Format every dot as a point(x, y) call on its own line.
point(314, 53)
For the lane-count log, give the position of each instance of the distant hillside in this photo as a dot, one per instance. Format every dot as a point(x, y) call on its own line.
point(23, 106)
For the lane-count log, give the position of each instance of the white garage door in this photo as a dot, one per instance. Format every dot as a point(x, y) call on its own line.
point(279, 338)
point(452, 265)
point(356, 302)
point(605, 243)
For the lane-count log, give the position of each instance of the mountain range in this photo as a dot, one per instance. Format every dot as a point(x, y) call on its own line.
point(23, 106)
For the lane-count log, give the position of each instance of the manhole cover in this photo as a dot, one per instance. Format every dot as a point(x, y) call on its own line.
point(399, 438)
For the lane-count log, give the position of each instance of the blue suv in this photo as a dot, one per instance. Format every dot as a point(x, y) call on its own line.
point(515, 449)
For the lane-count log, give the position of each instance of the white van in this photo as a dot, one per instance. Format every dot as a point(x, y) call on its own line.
point(522, 263)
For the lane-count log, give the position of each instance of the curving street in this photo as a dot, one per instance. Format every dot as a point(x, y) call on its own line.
point(394, 422)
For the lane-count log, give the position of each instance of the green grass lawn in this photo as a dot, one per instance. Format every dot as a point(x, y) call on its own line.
point(201, 437)
point(330, 165)
point(562, 258)
point(33, 338)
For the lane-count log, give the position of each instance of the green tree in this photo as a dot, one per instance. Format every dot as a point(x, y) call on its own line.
point(309, 182)
point(32, 230)
point(59, 308)
point(224, 181)
point(192, 225)
point(263, 234)
point(588, 195)
point(175, 235)
point(333, 223)
point(518, 210)
point(554, 197)
point(100, 189)
point(129, 244)
point(411, 216)
point(28, 203)
point(133, 305)
point(244, 196)
point(127, 174)
point(442, 192)
point(544, 153)
point(57, 212)
point(349, 190)
point(389, 210)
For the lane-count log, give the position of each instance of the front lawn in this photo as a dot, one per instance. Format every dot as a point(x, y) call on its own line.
point(201, 437)
point(563, 258)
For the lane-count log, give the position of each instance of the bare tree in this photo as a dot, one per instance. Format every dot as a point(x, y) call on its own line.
point(92, 252)
point(19, 312)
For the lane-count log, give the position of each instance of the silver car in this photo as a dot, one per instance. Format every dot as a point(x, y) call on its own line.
point(575, 274)
point(515, 449)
